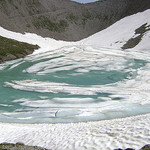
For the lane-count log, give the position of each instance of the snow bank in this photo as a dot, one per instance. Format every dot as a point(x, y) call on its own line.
point(45, 44)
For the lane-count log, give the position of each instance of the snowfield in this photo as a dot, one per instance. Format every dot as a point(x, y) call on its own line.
point(101, 135)
point(131, 132)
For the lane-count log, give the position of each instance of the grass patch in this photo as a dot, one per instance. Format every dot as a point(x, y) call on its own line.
point(86, 16)
point(71, 17)
point(15, 48)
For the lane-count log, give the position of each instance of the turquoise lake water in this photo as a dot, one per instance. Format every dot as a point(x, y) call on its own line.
point(71, 84)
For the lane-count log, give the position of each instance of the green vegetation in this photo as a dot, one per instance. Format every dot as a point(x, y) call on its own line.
point(28, 25)
point(43, 22)
point(14, 48)
point(33, 7)
point(85, 17)
point(105, 18)
point(71, 17)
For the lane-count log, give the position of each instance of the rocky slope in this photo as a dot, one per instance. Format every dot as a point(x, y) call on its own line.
point(65, 19)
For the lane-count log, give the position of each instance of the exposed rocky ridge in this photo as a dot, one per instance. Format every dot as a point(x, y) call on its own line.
point(64, 19)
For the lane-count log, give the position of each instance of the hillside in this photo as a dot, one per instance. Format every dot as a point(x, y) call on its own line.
point(65, 19)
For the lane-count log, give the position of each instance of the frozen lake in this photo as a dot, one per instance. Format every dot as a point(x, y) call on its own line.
point(75, 84)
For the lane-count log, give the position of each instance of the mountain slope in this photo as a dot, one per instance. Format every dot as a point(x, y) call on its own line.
point(64, 19)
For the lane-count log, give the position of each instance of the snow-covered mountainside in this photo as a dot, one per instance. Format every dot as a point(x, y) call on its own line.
point(130, 32)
